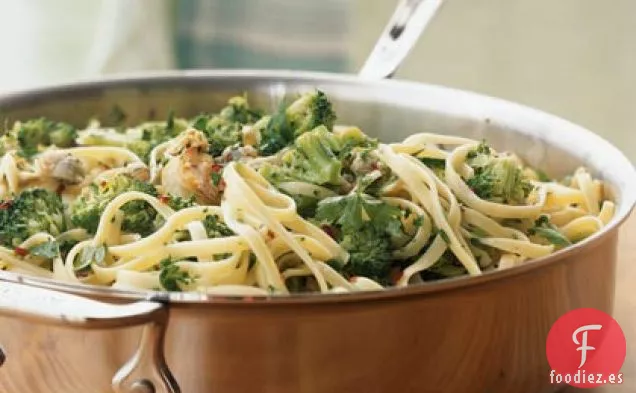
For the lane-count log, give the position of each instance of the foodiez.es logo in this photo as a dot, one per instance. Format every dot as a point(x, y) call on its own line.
point(586, 348)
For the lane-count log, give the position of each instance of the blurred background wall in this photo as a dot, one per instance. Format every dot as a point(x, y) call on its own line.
point(573, 58)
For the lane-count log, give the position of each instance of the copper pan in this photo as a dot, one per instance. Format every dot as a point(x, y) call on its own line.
point(484, 334)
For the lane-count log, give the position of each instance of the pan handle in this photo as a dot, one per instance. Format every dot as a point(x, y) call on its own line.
point(406, 25)
point(49, 307)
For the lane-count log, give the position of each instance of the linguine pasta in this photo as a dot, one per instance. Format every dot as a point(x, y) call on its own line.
point(326, 210)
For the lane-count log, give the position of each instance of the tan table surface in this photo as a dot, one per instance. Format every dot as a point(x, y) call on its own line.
point(624, 308)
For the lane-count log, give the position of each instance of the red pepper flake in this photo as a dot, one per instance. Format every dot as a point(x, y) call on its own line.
point(217, 168)
point(270, 234)
point(6, 204)
point(395, 275)
point(21, 251)
point(165, 199)
point(103, 183)
point(375, 166)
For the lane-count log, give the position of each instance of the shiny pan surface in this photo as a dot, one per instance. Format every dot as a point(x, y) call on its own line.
point(482, 334)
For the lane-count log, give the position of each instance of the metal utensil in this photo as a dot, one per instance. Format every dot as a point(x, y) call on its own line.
point(410, 19)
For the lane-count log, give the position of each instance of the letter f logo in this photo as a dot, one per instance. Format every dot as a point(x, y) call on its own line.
point(583, 344)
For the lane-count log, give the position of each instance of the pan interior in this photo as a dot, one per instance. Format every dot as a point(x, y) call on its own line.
point(388, 110)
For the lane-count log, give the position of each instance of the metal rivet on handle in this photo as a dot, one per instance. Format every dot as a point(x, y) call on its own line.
point(142, 386)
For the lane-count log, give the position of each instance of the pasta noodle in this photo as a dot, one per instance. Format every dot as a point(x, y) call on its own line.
point(326, 211)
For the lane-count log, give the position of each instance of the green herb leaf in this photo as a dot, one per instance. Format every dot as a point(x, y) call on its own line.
point(419, 221)
point(252, 261)
point(553, 236)
point(90, 255)
point(433, 163)
point(349, 212)
point(342, 210)
point(50, 249)
point(475, 241)
point(478, 232)
point(444, 236)
point(545, 229)
point(86, 258)
point(216, 178)
point(100, 254)
point(172, 277)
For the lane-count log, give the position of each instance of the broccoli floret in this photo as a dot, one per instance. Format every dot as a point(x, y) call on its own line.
point(313, 160)
point(353, 139)
point(63, 135)
point(220, 132)
point(497, 178)
point(141, 149)
point(310, 111)
point(32, 211)
point(224, 129)
point(276, 134)
point(369, 253)
point(305, 114)
point(33, 134)
point(139, 216)
point(239, 111)
point(367, 228)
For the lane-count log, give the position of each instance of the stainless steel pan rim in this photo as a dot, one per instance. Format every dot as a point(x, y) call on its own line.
point(399, 92)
